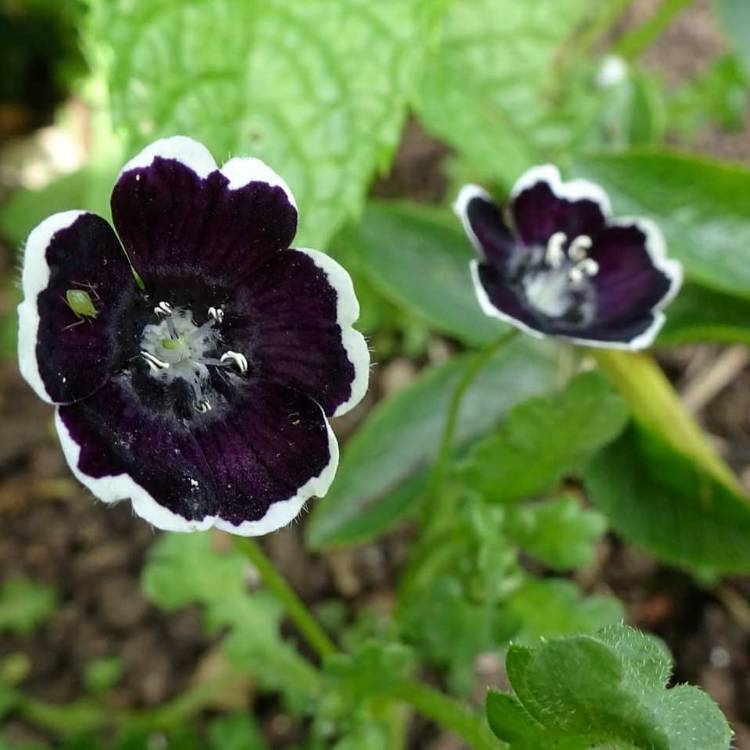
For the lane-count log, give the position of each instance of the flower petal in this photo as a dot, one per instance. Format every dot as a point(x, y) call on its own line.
point(247, 469)
point(483, 223)
point(635, 274)
point(65, 357)
point(294, 316)
point(543, 204)
point(174, 209)
point(498, 300)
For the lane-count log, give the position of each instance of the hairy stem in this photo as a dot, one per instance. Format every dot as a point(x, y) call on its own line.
point(635, 42)
point(313, 633)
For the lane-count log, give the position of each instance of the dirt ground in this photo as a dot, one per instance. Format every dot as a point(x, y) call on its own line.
point(52, 530)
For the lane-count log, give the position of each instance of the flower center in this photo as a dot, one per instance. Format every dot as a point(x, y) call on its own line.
point(557, 279)
point(176, 348)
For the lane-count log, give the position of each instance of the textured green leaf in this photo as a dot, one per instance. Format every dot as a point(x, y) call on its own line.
point(418, 256)
point(604, 691)
point(667, 504)
point(382, 467)
point(544, 438)
point(703, 208)
point(318, 89)
point(560, 532)
point(492, 89)
point(183, 569)
point(25, 604)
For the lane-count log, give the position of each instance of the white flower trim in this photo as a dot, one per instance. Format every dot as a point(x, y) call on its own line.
point(111, 489)
point(240, 171)
point(347, 312)
point(466, 195)
point(34, 280)
point(572, 190)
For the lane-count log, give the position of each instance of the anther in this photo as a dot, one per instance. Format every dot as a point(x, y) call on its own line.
point(589, 266)
point(576, 275)
point(579, 247)
point(163, 308)
point(202, 406)
point(239, 359)
point(554, 255)
point(154, 362)
point(216, 313)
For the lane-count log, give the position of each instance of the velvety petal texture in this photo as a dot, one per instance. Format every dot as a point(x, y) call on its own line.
point(195, 359)
point(65, 356)
point(560, 265)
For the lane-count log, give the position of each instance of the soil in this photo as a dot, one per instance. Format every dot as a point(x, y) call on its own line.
point(53, 531)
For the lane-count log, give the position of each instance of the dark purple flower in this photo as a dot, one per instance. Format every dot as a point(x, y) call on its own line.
point(554, 262)
point(201, 392)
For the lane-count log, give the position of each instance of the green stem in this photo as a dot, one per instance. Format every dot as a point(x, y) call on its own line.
point(314, 634)
point(447, 713)
point(635, 42)
point(435, 494)
point(601, 26)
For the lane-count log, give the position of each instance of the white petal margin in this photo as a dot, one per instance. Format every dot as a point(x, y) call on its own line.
point(178, 147)
point(347, 312)
point(239, 171)
point(493, 312)
point(285, 511)
point(34, 280)
point(572, 190)
point(461, 208)
point(114, 488)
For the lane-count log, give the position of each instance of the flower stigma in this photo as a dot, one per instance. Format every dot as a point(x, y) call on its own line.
point(175, 347)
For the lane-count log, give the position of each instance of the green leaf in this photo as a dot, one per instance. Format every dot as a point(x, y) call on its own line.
point(545, 438)
point(183, 569)
point(317, 89)
point(419, 256)
point(703, 208)
point(237, 732)
point(383, 467)
point(666, 503)
point(735, 18)
point(25, 605)
point(699, 314)
point(492, 90)
point(552, 606)
point(603, 691)
point(560, 532)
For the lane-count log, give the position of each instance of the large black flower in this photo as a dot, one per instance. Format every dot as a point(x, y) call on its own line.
point(201, 390)
point(554, 262)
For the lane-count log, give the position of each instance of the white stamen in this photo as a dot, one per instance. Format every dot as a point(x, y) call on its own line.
point(216, 313)
point(579, 247)
point(239, 359)
point(575, 275)
point(163, 308)
point(589, 266)
point(202, 406)
point(154, 362)
point(554, 255)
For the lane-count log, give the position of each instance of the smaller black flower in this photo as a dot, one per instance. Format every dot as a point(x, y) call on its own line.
point(555, 263)
point(200, 388)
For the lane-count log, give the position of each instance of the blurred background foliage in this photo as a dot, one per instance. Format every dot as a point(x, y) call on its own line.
point(375, 113)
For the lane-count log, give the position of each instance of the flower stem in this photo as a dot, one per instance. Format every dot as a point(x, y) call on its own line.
point(435, 494)
point(635, 42)
point(313, 633)
point(447, 713)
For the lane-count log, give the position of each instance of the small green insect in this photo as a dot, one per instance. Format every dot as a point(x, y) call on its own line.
point(81, 305)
